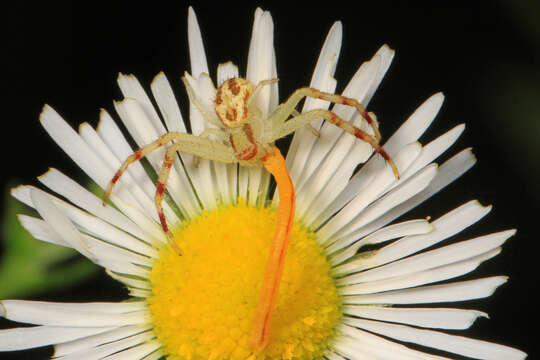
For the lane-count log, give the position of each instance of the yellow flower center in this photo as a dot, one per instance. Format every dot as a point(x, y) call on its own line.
point(203, 302)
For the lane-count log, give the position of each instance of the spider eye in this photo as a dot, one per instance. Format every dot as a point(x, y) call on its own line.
point(231, 102)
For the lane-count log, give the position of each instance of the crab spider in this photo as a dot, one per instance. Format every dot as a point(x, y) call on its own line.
point(246, 138)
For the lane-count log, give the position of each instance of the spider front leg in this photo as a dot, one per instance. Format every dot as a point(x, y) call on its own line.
point(301, 120)
point(195, 145)
point(289, 106)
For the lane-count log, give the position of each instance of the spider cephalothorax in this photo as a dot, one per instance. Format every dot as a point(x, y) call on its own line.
point(231, 103)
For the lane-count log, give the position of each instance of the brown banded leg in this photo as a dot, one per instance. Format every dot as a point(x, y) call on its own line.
point(160, 190)
point(137, 155)
point(340, 99)
point(288, 107)
point(305, 118)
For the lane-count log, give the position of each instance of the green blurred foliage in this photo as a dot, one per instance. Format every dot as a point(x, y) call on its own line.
point(509, 91)
point(30, 267)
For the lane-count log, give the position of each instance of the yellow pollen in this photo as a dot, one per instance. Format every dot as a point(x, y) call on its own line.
point(203, 302)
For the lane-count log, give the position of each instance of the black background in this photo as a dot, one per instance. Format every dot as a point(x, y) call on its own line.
point(483, 55)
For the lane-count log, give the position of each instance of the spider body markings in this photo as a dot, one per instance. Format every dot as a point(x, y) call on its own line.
point(244, 137)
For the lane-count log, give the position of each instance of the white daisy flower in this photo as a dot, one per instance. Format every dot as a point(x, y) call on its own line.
point(337, 300)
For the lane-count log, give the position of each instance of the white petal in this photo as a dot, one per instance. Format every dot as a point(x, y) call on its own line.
point(260, 66)
point(409, 132)
point(358, 344)
point(455, 344)
point(78, 150)
point(96, 340)
point(196, 48)
point(377, 179)
point(143, 132)
point(99, 228)
point(90, 163)
point(395, 197)
point(59, 223)
point(118, 259)
point(199, 66)
point(41, 313)
point(93, 225)
point(139, 293)
point(394, 231)
point(78, 195)
point(204, 179)
point(136, 352)
point(448, 172)
point(37, 336)
point(415, 125)
point(361, 87)
point(110, 348)
point(260, 58)
point(434, 258)
point(156, 355)
point(354, 350)
point(110, 134)
point(226, 71)
point(322, 79)
point(132, 88)
point(170, 111)
point(419, 278)
point(130, 281)
point(330, 134)
point(90, 307)
point(447, 225)
point(335, 356)
point(458, 291)
point(101, 253)
point(332, 173)
point(386, 55)
point(40, 230)
point(433, 150)
point(163, 93)
point(348, 158)
point(166, 101)
point(440, 318)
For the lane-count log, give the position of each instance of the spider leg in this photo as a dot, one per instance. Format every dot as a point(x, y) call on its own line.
point(260, 334)
point(209, 116)
point(160, 190)
point(258, 88)
point(196, 145)
point(218, 133)
point(305, 118)
point(309, 126)
point(139, 154)
point(289, 105)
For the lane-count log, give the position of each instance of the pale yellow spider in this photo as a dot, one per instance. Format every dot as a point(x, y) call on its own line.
point(246, 138)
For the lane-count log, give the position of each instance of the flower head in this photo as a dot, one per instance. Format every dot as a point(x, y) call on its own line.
point(356, 284)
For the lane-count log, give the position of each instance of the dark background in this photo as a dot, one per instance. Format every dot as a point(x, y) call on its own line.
point(484, 55)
